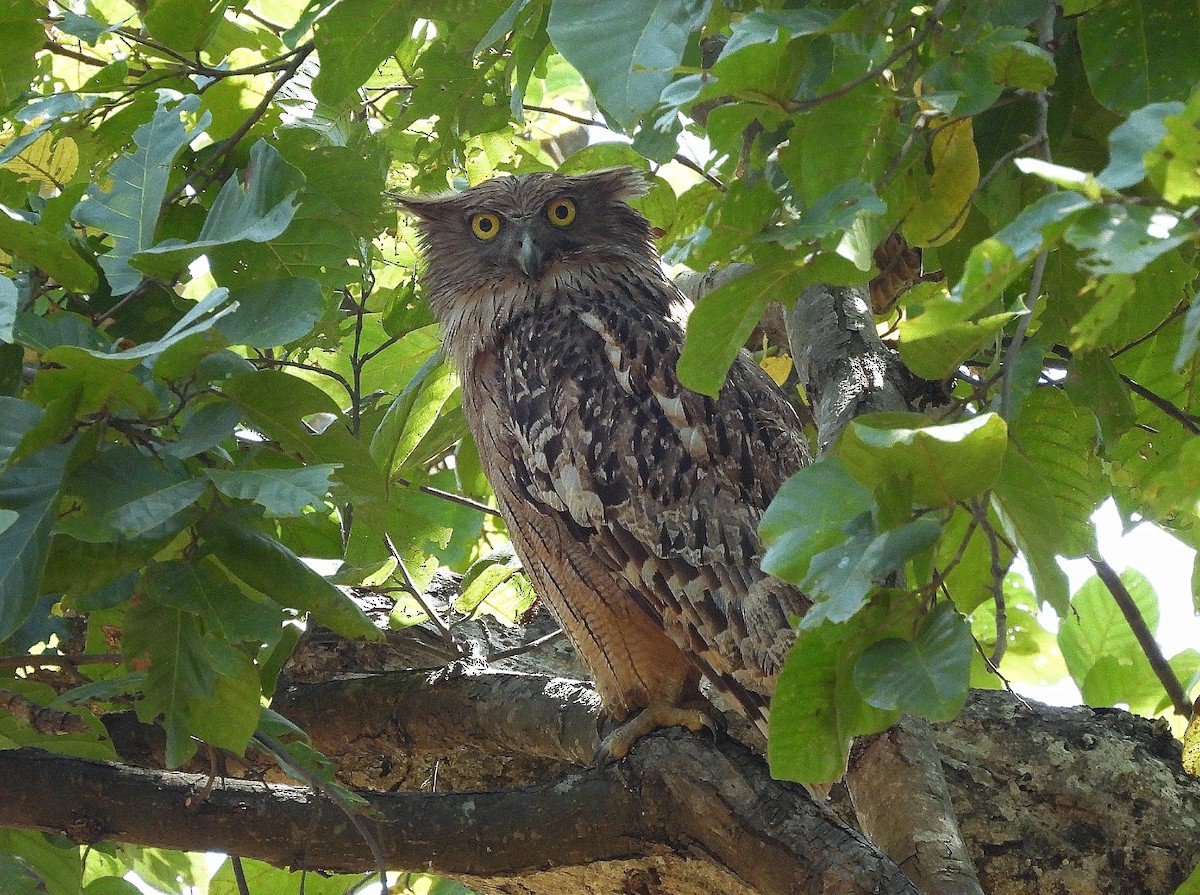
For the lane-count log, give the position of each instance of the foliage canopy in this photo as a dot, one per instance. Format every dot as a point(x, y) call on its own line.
point(215, 362)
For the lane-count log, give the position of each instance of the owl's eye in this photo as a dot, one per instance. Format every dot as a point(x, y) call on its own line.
point(484, 224)
point(561, 212)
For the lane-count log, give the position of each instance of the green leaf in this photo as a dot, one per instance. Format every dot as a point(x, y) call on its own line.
point(184, 25)
point(1033, 521)
point(273, 313)
point(1139, 51)
point(149, 512)
point(626, 50)
point(808, 515)
point(121, 492)
point(282, 492)
point(43, 867)
point(19, 416)
point(946, 463)
point(935, 342)
point(1023, 65)
point(257, 212)
point(278, 404)
point(263, 879)
point(204, 429)
point(1060, 175)
point(1131, 140)
point(1191, 336)
point(1059, 440)
point(1174, 165)
point(1119, 238)
point(1101, 650)
point(45, 250)
point(21, 36)
point(201, 589)
point(200, 685)
point(128, 211)
point(719, 326)
point(840, 579)
point(413, 413)
point(352, 39)
point(31, 489)
point(817, 710)
point(926, 675)
point(489, 583)
point(275, 571)
point(1093, 381)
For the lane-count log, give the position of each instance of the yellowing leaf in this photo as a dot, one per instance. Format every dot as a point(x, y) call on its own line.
point(1191, 743)
point(778, 367)
point(45, 161)
point(938, 217)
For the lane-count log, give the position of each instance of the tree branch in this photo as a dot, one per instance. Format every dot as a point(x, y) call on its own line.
point(1145, 637)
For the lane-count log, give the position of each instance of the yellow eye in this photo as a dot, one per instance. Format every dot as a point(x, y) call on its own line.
point(561, 212)
point(484, 224)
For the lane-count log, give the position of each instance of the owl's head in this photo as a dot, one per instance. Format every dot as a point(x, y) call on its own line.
point(523, 227)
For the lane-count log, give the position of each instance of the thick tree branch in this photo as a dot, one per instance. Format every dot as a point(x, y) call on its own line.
point(921, 834)
point(1057, 800)
point(664, 798)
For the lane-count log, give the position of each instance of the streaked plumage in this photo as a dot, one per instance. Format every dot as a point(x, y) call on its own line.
point(633, 502)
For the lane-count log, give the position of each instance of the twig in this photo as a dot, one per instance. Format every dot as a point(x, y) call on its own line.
point(50, 660)
point(1145, 639)
point(353, 814)
point(524, 647)
point(909, 45)
point(1040, 139)
point(1185, 419)
point(459, 499)
point(332, 374)
point(286, 74)
point(997, 572)
point(411, 585)
point(592, 122)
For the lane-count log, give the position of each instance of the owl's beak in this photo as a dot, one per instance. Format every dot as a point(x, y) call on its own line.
point(529, 256)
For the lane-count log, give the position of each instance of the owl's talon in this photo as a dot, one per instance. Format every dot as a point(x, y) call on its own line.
point(617, 744)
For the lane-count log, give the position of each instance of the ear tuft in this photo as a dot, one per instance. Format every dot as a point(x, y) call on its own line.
point(424, 208)
point(619, 183)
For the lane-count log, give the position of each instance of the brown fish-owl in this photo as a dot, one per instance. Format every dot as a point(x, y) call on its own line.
point(633, 502)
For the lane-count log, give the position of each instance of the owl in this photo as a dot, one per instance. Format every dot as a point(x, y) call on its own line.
point(632, 501)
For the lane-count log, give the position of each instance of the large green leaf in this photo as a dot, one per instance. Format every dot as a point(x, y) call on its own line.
point(31, 489)
point(1174, 165)
point(809, 515)
point(199, 685)
point(129, 210)
point(817, 710)
point(21, 36)
point(1101, 650)
point(627, 50)
point(946, 463)
point(1139, 51)
point(352, 39)
point(275, 571)
point(45, 250)
point(721, 323)
point(926, 675)
point(257, 212)
point(282, 492)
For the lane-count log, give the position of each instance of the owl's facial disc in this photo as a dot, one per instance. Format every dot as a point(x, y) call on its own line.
point(529, 255)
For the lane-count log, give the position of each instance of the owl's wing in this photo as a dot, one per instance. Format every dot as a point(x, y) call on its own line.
point(665, 486)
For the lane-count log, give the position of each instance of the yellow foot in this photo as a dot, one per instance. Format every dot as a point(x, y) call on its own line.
point(617, 744)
